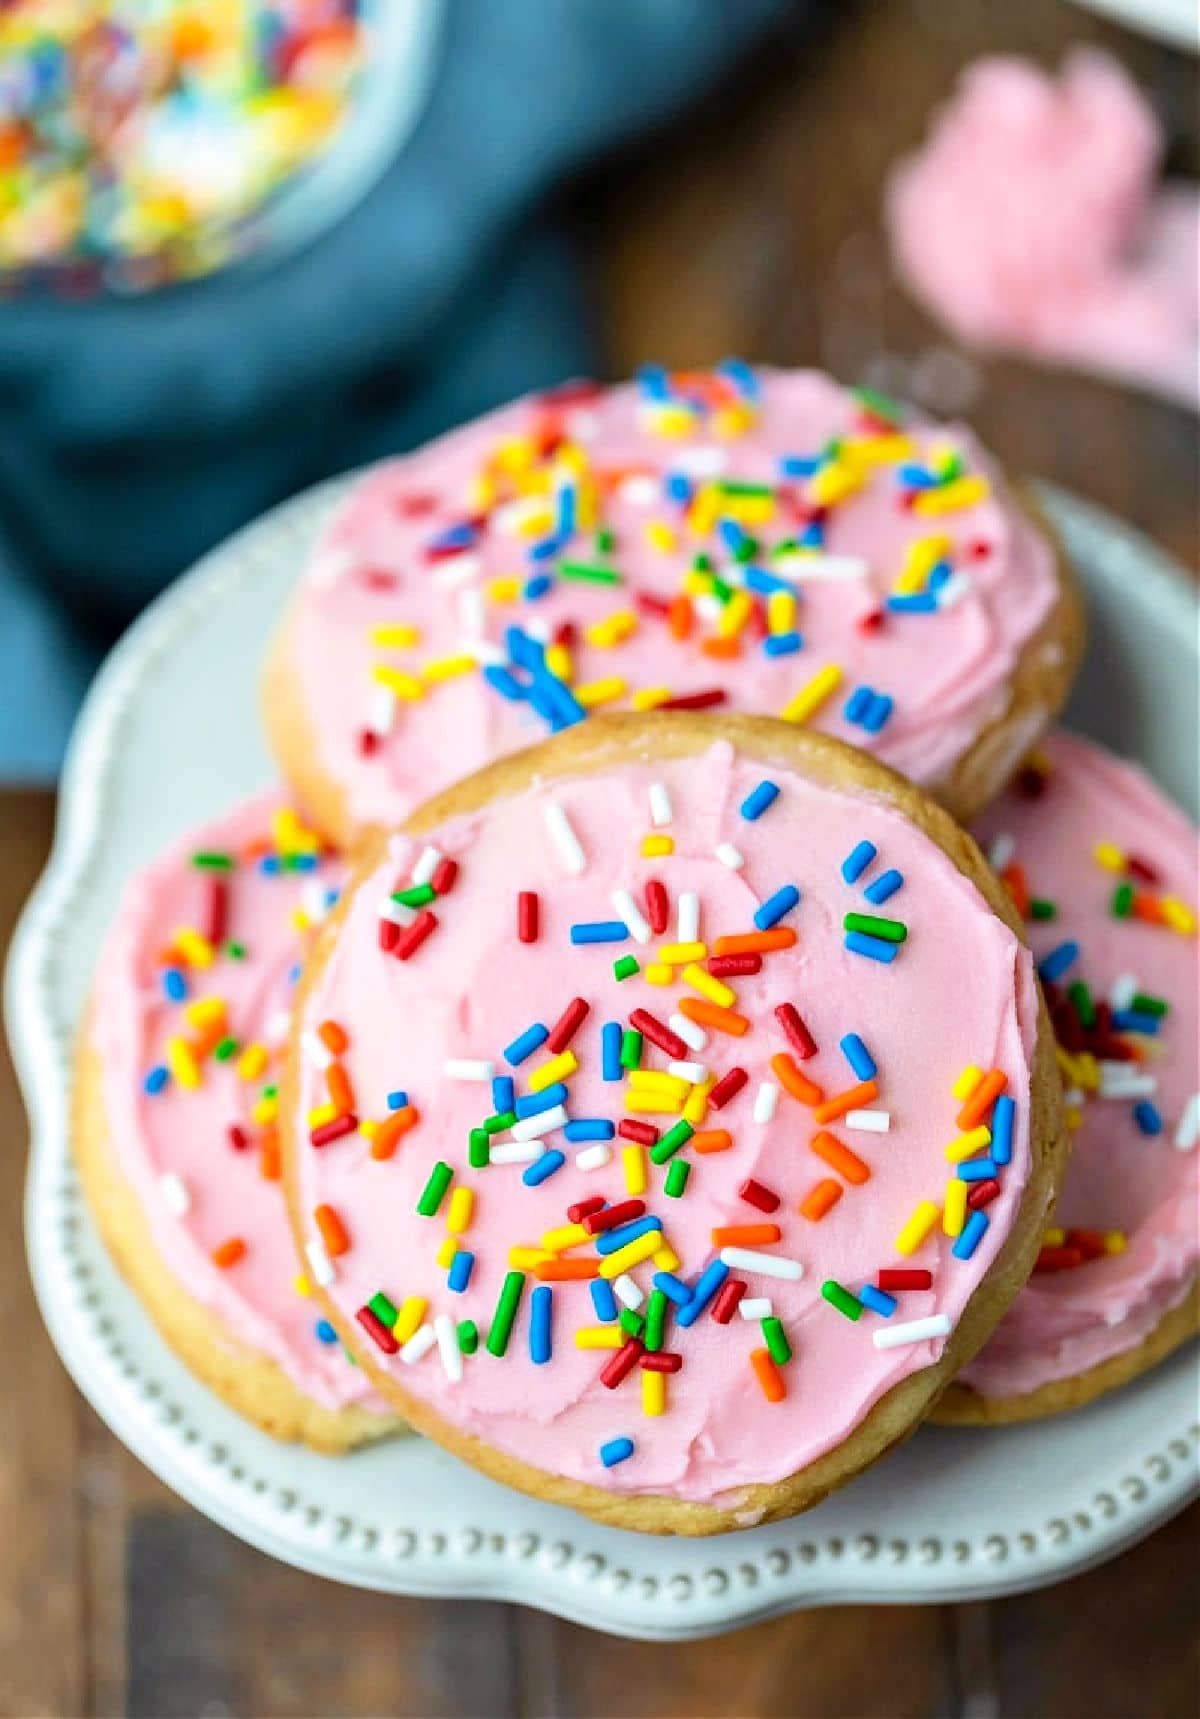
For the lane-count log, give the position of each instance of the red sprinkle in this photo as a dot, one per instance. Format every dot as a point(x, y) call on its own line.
point(216, 916)
point(445, 875)
point(333, 1130)
point(653, 1029)
point(662, 1361)
point(1138, 868)
point(368, 742)
point(1059, 1259)
point(411, 940)
point(567, 1025)
point(695, 700)
point(900, 1277)
point(730, 1083)
point(622, 1363)
point(582, 1208)
point(527, 916)
point(982, 1194)
point(376, 1329)
point(389, 935)
point(725, 1302)
point(756, 1195)
point(623, 1212)
point(238, 1138)
point(645, 1133)
point(798, 1035)
point(733, 966)
point(871, 622)
point(652, 605)
point(658, 907)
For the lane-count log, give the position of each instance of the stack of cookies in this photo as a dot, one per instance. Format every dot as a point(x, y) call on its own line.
point(608, 1055)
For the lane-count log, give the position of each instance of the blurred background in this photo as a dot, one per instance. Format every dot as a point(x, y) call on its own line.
point(246, 246)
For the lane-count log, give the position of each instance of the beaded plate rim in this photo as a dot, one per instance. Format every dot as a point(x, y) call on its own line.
point(544, 1556)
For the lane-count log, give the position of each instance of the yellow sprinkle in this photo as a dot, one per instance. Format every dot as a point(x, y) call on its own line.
point(300, 920)
point(917, 1227)
point(781, 611)
point(598, 692)
point(920, 558)
point(405, 686)
point(966, 1145)
point(1054, 1238)
point(555, 1068)
point(696, 1108)
point(655, 1080)
point(654, 1392)
point(447, 668)
point(633, 1253)
point(705, 510)
point(714, 989)
point(1178, 915)
point(666, 1259)
point(834, 482)
point(882, 450)
point(395, 635)
point(646, 1102)
point(506, 589)
point(954, 1212)
point(729, 422)
point(633, 1162)
point(1067, 1065)
point(264, 1111)
point(657, 974)
point(460, 1211)
point(182, 1063)
point(812, 696)
point(1088, 1071)
point(599, 1337)
point(205, 1011)
point(446, 1252)
point(676, 954)
point(671, 420)
point(1073, 1116)
point(525, 1258)
point(368, 1128)
point(734, 615)
point(658, 535)
point(749, 509)
point(558, 661)
point(654, 847)
point(966, 1083)
point(564, 1237)
point(252, 1062)
point(613, 630)
point(949, 497)
point(1108, 855)
point(197, 951)
point(1115, 1241)
point(481, 495)
point(648, 697)
point(321, 1114)
point(697, 583)
point(515, 454)
point(302, 1286)
point(408, 1321)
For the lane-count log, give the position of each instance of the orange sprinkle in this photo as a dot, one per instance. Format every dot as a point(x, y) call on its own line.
point(821, 1198)
point(1013, 879)
point(1146, 907)
point(270, 1162)
point(566, 1270)
point(333, 1037)
point(396, 1123)
point(333, 1230)
point(723, 648)
point(680, 616)
point(208, 1038)
point(784, 1069)
point(982, 1099)
point(229, 1252)
point(745, 1235)
point(707, 1014)
point(710, 1140)
point(341, 1093)
point(768, 1375)
point(840, 1158)
point(755, 942)
point(852, 1099)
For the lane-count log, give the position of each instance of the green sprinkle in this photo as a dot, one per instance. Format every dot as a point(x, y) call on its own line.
point(625, 968)
point(677, 1178)
point(775, 1338)
point(890, 930)
point(1040, 908)
point(748, 549)
point(589, 572)
point(952, 468)
point(1084, 1007)
point(735, 486)
point(656, 1319)
point(236, 951)
point(479, 1151)
point(383, 1309)
point(269, 1092)
point(879, 405)
point(842, 1299)
point(631, 1048)
point(1148, 1005)
point(468, 1336)
point(434, 1192)
point(207, 860)
point(785, 546)
point(500, 1330)
point(419, 895)
point(1122, 902)
point(669, 1143)
point(499, 1122)
point(721, 589)
point(632, 1324)
point(606, 541)
point(702, 564)
point(832, 448)
point(226, 1049)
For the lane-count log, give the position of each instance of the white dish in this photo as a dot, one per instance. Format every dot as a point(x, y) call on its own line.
point(1174, 21)
point(954, 1515)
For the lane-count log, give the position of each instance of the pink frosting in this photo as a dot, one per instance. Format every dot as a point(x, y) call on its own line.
point(183, 1133)
point(1119, 1179)
point(947, 673)
point(1030, 220)
point(961, 991)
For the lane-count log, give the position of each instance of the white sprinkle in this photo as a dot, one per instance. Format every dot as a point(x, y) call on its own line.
point(446, 1332)
point(1002, 850)
point(869, 1121)
point(1073, 1096)
point(565, 839)
point(420, 1343)
point(278, 1026)
point(381, 710)
point(638, 491)
point(1188, 1132)
point(486, 654)
point(538, 630)
point(395, 912)
point(468, 1068)
point(515, 1152)
point(457, 570)
point(627, 1291)
point(688, 917)
point(533, 1127)
point(701, 460)
point(692, 1072)
point(315, 1049)
point(770, 1264)
point(1119, 1080)
point(175, 1195)
point(731, 856)
point(693, 1036)
point(953, 591)
point(426, 864)
point(320, 1264)
point(316, 900)
point(582, 424)
point(805, 568)
point(765, 1100)
point(471, 611)
point(912, 1331)
point(660, 805)
point(594, 1157)
point(1123, 991)
point(756, 1307)
point(707, 606)
point(632, 915)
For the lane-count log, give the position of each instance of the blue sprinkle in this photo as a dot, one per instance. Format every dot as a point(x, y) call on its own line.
point(325, 1332)
point(545, 548)
point(813, 536)
point(939, 574)
point(884, 887)
point(461, 1267)
point(758, 799)
point(293, 973)
point(703, 1290)
point(397, 1100)
point(504, 1093)
point(679, 488)
point(566, 510)
point(504, 683)
point(304, 862)
point(541, 1346)
point(539, 586)
point(740, 374)
point(1147, 1117)
point(610, 1051)
point(977, 1170)
point(775, 906)
point(732, 534)
point(269, 865)
point(799, 465)
point(615, 1451)
point(758, 579)
point(876, 948)
point(610, 1241)
point(525, 1044)
point(1003, 1112)
point(454, 537)
point(543, 1168)
point(174, 984)
point(877, 715)
point(858, 704)
point(565, 709)
point(878, 1300)
point(155, 1080)
point(589, 1128)
point(859, 1057)
point(916, 477)
point(672, 1287)
point(1134, 1021)
point(536, 1103)
point(526, 651)
point(600, 931)
point(918, 603)
point(782, 644)
point(1059, 960)
point(857, 861)
point(652, 379)
point(603, 1299)
point(972, 1234)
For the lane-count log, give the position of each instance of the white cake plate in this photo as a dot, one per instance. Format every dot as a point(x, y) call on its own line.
point(169, 735)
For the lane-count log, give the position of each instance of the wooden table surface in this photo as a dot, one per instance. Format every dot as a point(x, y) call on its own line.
point(754, 230)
